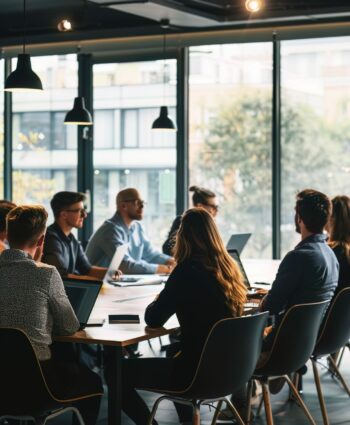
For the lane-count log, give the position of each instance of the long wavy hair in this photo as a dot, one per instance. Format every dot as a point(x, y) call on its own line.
point(198, 239)
point(339, 224)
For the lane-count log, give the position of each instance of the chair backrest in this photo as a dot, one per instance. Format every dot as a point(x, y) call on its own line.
point(24, 390)
point(295, 339)
point(228, 357)
point(335, 328)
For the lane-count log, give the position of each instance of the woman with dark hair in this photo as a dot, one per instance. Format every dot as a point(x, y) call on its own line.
point(205, 286)
point(339, 237)
point(201, 198)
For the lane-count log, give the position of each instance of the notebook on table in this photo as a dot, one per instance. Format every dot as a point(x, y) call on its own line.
point(238, 241)
point(82, 295)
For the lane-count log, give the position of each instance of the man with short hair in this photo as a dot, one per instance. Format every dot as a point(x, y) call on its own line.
point(33, 299)
point(309, 273)
point(125, 227)
point(61, 248)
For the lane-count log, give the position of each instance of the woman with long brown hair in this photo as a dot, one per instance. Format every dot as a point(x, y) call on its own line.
point(339, 237)
point(205, 286)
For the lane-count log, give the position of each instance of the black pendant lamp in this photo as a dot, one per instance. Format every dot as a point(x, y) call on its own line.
point(23, 78)
point(79, 115)
point(164, 122)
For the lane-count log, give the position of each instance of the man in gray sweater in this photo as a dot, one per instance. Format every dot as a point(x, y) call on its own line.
point(33, 299)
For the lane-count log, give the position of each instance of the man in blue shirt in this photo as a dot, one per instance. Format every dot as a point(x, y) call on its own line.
point(309, 273)
point(124, 227)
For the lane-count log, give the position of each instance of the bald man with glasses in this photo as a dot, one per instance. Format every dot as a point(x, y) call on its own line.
point(125, 227)
point(61, 248)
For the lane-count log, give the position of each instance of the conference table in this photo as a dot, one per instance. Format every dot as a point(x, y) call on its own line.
point(133, 300)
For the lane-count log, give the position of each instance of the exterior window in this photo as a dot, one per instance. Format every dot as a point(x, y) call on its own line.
point(230, 137)
point(139, 157)
point(44, 149)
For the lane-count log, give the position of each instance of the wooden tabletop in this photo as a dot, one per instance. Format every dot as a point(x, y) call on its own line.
point(115, 300)
point(134, 300)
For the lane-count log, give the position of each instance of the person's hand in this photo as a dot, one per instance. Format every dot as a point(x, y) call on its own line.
point(164, 269)
point(261, 291)
point(117, 275)
point(171, 262)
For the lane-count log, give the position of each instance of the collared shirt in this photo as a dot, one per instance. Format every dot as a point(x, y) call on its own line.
point(307, 274)
point(141, 257)
point(33, 299)
point(64, 252)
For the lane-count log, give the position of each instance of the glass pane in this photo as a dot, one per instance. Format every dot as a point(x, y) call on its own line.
point(230, 136)
point(2, 130)
point(44, 149)
point(136, 157)
point(315, 122)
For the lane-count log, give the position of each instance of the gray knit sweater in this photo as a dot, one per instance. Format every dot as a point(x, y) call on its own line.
point(32, 298)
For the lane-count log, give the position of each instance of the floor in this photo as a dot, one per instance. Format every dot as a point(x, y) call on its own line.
point(286, 413)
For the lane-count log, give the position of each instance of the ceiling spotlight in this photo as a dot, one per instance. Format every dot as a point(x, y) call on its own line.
point(64, 25)
point(253, 5)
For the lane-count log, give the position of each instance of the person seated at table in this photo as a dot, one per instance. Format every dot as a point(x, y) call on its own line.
point(308, 273)
point(125, 227)
point(61, 248)
point(5, 208)
point(201, 197)
point(339, 238)
point(205, 286)
point(33, 299)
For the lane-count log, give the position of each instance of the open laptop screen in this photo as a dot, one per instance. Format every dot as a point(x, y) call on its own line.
point(82, 295)
point(234, 254)
point(238, 241)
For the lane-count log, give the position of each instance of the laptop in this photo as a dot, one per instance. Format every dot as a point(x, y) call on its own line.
point(251, 288)
point(238, 241)
point(82, 295)
point(118, 256)
point(128, 280)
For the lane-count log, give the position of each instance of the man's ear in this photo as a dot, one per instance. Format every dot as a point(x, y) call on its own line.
point(41, 240)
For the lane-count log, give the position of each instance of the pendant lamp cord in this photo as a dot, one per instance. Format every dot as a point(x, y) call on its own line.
point(24, 26)
point(164, 62)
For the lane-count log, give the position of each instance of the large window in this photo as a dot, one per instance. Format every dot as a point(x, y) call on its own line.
point(230, 136)
point(315, 122)
point(44, 149)
point(127, 153)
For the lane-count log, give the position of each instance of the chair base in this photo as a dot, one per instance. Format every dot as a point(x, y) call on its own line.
point(266, 400)
point(41, 420)
point(196, 404)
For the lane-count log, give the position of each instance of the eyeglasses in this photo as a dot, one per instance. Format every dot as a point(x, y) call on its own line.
point(214, 206)
point(139, 202)
point(82, 211)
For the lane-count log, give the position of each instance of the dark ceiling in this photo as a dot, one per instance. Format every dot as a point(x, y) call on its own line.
point(104, 18)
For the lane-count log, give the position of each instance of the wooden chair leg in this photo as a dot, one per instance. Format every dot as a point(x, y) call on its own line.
point(196, 413)
point(267, 403)
point(299, 400)
point(217, 411)
point(339, 375)
point(320, 393)
point(234, 411)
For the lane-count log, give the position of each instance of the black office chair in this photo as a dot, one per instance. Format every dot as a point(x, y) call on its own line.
point(294, 342)
point(227, 362)
point(25, 394)
point(334, 335)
